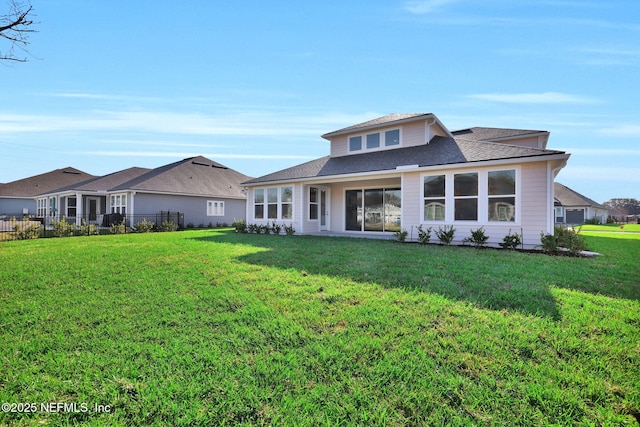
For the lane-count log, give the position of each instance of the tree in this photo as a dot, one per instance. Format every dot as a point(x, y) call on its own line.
point(15, 27)
point(622, 207)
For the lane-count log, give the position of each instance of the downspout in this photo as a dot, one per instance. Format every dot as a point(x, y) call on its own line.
point(428, 130)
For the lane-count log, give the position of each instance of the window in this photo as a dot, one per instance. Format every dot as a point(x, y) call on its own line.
point(465, 194)
point(313, 203)
point(52, 206)
point(272, 203)
point(71, 206)
point(258, 203)
point(286, 199)
point(215, 208)
point(277, 203)
point(434, 197)
point(376, 209)
point(373, 140)
point(355, 143)
point(502, 195)
point(41, 207)
point(392, 137)
point(119, 203)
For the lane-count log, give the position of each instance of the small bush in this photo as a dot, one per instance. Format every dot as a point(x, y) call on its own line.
point(31, 231)
point(119, 228)
point(595, 221)
point(144, 226)
point(88, 229)
point(168, 226)
point(240, 225)
point(478, 238)
point(511, 241)
point(549, 243)
point(571, 240)
point(252, 228)
point(189, 225)
point(62, 228)
point(289, 230)
point(445, 234)
point(265, 229)
point(401, 235)
point(276, 228)
point(424, 235)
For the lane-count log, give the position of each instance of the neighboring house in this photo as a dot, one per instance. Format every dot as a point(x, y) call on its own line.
point(202, 190)
point(571, 207)
point(401, 171)
point(17, 197)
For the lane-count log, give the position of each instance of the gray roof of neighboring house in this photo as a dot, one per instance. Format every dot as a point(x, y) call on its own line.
point(388, 119)
point(488, 134)
point(44, 183)
point(568, 197)
point(192, 176)
point(440, 151)
point(106, 182)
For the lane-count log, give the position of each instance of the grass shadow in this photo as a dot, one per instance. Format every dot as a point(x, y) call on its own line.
point(487, 278)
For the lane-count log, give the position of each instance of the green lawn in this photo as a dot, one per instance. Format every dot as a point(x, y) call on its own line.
point(214, 328)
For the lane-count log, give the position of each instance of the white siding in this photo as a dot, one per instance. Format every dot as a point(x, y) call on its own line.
point(413, 134)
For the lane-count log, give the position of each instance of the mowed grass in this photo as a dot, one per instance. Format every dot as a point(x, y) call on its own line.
point(215, 328)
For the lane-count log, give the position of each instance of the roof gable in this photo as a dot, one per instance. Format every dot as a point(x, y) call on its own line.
point(568, 197)
point(388, 120)
point(44, 183)
point(191, 176)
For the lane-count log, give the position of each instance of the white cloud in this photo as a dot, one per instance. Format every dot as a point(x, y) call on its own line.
point(534, 98)
point(426, 6)
point(621, 130)
point(239, 123)
point(598, 173)
point(188, 154)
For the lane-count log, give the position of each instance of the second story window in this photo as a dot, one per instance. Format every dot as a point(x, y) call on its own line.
point(374, 141)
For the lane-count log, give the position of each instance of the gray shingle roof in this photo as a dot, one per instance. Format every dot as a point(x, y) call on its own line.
point(440, 151)
point(106, 182)
point(488, 134)
point(384, 120)
point(192, 176)
point(44, 183)
point(568, 197)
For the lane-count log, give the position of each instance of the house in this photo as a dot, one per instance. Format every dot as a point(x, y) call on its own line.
point(401, 171)
point(571, 207)
point(202, 190)
point(17, 197)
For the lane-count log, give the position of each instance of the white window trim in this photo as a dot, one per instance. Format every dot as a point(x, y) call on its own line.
point(115, 207)
point(215, 208)
point(383, 143)
point(483, 197)
point(265, 203)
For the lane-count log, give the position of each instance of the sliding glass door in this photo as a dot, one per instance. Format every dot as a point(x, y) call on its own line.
point(377, 209)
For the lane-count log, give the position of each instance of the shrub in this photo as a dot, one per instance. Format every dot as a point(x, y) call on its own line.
point(168, 226)
point(88, 229)
point(478, 238)
point(289, 230)
point(252, 228)
point(189, 225)
point(571, 240)
point(62, 228)
point(401, 235)
point(445, 234)
point(511, 241)
point(119, 228)
point(424, 235)
point(276, 228)
point(265, 228)
point(240, 225)
point(26, 232)
point(144, 226)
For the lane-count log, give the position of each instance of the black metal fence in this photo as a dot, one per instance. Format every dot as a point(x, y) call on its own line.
point(19, 227)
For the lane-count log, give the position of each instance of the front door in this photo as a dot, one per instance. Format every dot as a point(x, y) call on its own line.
point(93, 209)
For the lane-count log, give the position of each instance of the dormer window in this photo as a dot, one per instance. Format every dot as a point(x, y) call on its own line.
point(374, 141)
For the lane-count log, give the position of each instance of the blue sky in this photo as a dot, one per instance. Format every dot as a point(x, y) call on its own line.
point(253, 84)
